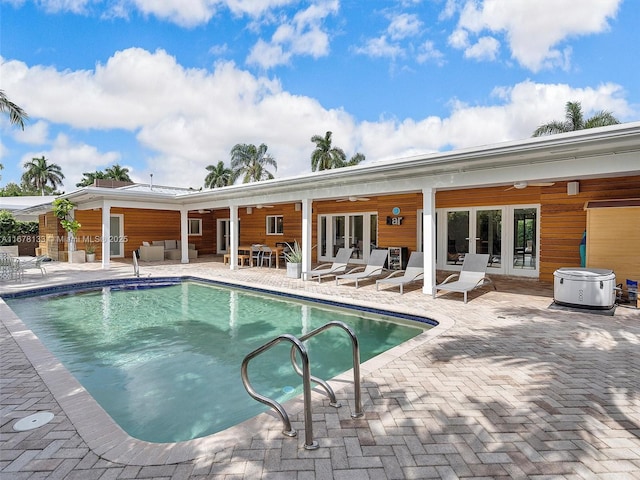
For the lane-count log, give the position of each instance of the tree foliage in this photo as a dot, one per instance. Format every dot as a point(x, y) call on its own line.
point(219, 176)
point(325, 156)
point(574, 120)
point(39, 174)
point(251, 162)
point(17, 115)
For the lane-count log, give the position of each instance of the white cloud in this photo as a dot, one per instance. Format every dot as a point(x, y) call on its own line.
point(381, 48)
point(185, 119)
point(486, 48)
point(303, 35)
point(56, 6)
point(403, 26)
point(427, 51)
point(534, 29)
point(34, 133)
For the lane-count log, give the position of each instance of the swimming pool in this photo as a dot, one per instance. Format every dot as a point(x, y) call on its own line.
point(164, 362)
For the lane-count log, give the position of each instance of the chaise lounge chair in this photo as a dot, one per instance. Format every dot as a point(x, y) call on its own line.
point(336, 268)
point(472, 276)
point(413, 272)
point(374, 268)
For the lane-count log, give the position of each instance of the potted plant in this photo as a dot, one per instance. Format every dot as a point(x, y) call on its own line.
point(90, 248)
point(293, 257)
point(62, 209)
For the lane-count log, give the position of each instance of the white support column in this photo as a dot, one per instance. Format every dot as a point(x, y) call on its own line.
point(429, 238)
point(307, 222)
point(184, 235)
point(106, 235)
point(233, 237)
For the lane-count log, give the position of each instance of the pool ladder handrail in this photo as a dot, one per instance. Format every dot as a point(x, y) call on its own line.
point(136, 266)
point(307, 378)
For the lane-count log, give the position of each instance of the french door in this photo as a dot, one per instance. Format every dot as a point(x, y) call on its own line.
point(508, 234)
point(116, 240)
point(355, 230)
point(223, 235)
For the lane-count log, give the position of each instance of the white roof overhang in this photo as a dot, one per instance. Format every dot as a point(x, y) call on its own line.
point(599, 152)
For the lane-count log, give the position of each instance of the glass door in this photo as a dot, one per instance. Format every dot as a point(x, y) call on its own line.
point(457, 236)
point(116, 240)
point(509, 235)
point(355, 230)
point(488, 237)
point(224, 234)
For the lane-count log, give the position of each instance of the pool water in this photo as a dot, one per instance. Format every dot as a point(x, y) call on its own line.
point(164, 362)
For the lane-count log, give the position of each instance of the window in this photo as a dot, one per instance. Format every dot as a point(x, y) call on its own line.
point(275, 225)
point(195, 226)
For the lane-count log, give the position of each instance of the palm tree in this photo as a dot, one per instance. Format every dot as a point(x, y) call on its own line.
point(17, 116)
point(574, 120)
point(116, 172)
point(325, 157)
point(218, 176)
point(88, 178)
point(250, 162)
point(39, 173)
point(355, 160)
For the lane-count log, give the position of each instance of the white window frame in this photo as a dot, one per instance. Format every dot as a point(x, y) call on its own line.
point(195, 221)
point(275, 224)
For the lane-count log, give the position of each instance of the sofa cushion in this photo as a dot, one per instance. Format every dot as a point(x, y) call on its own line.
point(157, 243)
point(145, 244)
point(170, 244)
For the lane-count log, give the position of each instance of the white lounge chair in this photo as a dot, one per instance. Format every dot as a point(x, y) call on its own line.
point(34, 263)
point(374, 268)
point(336, 268)
point(472, 276)
point(413, 272)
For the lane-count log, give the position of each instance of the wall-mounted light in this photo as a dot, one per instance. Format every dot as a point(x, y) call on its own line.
point(573, 188)
point(249, 210)
point(298, 206)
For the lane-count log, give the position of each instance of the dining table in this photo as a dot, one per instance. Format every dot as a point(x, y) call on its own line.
point(277, 251)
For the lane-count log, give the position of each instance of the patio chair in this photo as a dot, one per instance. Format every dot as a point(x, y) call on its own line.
point(374, 268)
point(9, 267)
point(327, 270)
point(472, 276)
point(256, 255)
point(266, 254)
point(35, 264)
point(413, 273)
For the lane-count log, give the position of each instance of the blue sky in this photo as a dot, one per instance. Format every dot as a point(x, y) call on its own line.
point(170, 87)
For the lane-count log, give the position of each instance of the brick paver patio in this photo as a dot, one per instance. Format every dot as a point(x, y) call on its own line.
point(505, 387)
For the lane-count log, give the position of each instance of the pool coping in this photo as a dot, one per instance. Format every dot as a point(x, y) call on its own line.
point(107, 440)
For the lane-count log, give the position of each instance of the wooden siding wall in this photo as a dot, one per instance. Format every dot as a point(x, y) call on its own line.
point(145, 225)
point(253, 226)
point(564, 219)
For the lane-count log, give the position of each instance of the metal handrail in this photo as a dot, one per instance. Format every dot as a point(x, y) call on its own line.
point(355, 351)
point(309, 444)
point(136, 267)
point(307, 378)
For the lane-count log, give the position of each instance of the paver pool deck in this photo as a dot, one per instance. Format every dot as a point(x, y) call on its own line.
point(507, 386)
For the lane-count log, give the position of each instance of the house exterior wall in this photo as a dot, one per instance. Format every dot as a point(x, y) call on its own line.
point(52, 238)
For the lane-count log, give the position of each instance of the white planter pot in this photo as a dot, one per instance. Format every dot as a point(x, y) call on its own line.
point(77, 256)
point(294, 270)
point(91, 257)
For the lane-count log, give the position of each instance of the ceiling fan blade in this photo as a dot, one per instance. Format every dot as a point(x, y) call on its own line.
point(363, 199)
point(542, 184)
point(342, 200)
point(510, 188)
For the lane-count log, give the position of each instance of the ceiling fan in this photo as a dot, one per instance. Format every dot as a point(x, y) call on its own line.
point(522, 185)
point(259, 206)
point(353, 199)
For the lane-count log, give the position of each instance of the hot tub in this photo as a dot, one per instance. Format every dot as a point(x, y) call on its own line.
point(593, 288)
